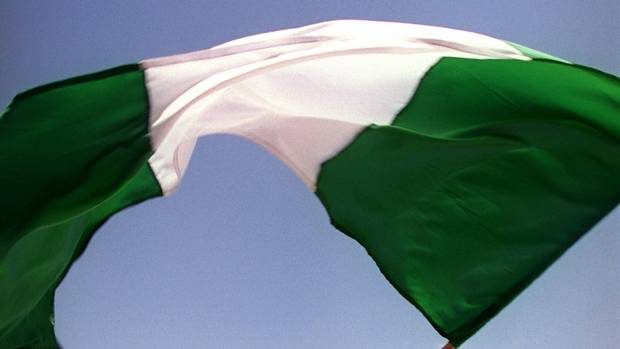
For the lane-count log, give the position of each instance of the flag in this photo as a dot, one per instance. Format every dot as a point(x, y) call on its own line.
point(464, 164)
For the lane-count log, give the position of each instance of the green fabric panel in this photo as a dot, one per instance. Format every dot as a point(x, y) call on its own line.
point(72, 154)
point(530, 52)
point(488, 175)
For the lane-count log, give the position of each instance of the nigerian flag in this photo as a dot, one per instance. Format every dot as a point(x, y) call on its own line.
point(464, 164)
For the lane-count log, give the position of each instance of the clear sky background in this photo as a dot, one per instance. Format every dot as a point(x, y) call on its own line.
point(243, 256)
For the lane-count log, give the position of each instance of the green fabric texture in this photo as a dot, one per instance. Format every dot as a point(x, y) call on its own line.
point(492, 171)
point(530, 52)
point(71, 154)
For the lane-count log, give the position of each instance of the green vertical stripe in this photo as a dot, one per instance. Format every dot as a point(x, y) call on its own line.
point(72, 154)
point(489, 174)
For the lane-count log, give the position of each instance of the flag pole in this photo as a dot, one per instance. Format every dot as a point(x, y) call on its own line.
point(448, 346)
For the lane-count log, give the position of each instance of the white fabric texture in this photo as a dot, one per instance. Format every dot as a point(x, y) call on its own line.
point(303, 94)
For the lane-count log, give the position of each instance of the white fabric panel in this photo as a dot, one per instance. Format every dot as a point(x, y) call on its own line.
point(303, 94)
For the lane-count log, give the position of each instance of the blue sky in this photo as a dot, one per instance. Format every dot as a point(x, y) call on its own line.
point(243, 256)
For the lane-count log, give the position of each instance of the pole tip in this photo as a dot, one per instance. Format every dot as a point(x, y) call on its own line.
point(448, 346)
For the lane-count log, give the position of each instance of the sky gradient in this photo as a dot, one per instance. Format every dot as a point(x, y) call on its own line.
point(243, 255)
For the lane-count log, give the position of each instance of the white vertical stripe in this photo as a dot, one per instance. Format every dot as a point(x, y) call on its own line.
point(302, 93)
